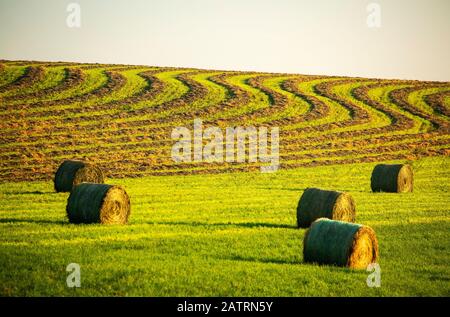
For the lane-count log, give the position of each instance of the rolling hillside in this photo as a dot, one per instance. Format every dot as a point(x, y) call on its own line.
point(121, 117)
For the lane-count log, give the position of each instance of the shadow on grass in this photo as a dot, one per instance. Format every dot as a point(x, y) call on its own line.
point(296, 262)
point(301, 190)
point(284, 189)
point(225, 224)
point(47, 222)
point(353, 191)
point(36, 192)
point(262, 260)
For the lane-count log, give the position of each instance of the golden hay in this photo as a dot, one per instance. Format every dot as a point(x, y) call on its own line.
point(316, 203)
point(98, 203)
point(340, 243)
point(73, 172)
point(395, 178)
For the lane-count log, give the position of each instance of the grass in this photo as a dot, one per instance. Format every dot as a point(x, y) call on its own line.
point(216, 94)
point(296, 106)
point(337, 112)
point(230, 234)
point(225, 235)
point(382, 94)
point(258, 100)
point(11, 74)
point(52, 77)
point(174, 89)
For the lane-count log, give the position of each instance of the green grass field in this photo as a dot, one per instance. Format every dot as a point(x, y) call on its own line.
point(225, 235)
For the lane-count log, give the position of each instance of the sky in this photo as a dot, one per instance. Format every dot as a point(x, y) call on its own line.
point(323, 37)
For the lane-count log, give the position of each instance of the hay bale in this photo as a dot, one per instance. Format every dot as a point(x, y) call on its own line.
point(71, 173)
point(340, 243)
point(98, 203)
point(395, 178)
point(316, 203)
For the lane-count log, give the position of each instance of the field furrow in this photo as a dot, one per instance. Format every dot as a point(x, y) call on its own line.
point(121, 117)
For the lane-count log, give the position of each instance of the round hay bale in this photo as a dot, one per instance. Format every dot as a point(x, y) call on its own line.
point(98, 203)
point(316, 203)
point(72, 172)
point(340, 243)
point(394, 178)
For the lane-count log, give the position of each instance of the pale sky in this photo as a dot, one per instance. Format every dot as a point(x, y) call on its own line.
point(329, 37)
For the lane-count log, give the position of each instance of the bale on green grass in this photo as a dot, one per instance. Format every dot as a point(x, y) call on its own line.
point(340, 243)
point(73, 172)
point(394, 178)
point(316, 203)
point(98, 203)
